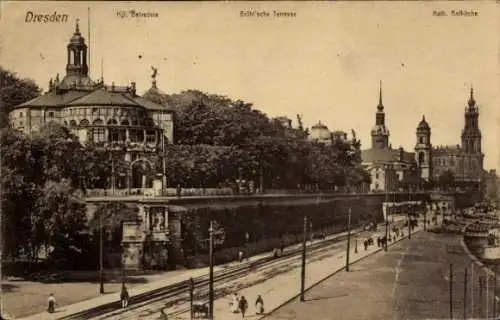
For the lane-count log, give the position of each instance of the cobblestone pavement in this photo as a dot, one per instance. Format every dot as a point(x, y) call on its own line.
point(411, 281)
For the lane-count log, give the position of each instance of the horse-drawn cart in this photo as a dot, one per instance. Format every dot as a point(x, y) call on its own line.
point(200, 310)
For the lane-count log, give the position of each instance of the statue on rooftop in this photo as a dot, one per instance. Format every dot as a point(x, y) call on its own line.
point(155, 73)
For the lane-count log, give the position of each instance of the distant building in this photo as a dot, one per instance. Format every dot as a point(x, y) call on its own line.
point(286, 122)
point(491, 184)
point(320, 133)
point(465, 160)
point(110, 116)
point(388, 167)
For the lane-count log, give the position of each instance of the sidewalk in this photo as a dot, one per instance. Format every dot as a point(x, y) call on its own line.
point(277, 291)
point(68, 310)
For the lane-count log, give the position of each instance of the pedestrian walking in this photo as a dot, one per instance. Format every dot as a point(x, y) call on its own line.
point(259, 305)
point(240, 256)
point(365, 244)
point(124, 296)
point(243, 306)
point(52, 303)
point(235, 303)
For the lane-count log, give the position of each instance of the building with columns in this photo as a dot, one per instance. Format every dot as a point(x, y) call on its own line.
point(464, 160)
point(388, 167)
point(110, 116)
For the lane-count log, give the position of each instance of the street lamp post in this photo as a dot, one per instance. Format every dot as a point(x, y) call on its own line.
point(101, 267)
point(409, 215)
point(211, 271)
point(348, 241)
point(303, 269)
point(386, 233)
point(355, 243)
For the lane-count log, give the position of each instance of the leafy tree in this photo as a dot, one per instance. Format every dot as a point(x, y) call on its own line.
point(259, 148)
point(14, 91)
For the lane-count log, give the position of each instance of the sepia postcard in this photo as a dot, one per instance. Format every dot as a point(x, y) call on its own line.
point(249, 160)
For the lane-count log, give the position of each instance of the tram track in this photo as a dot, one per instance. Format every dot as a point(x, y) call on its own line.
point(178, 293)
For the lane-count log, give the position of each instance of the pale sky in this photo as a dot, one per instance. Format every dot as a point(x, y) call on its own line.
point(325, 63)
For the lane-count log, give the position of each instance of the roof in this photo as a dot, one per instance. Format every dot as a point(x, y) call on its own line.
point(319, 125)
point(51, 99)
point(386, 155)
point(150, 105)
point(423, 124)
point(103, 97)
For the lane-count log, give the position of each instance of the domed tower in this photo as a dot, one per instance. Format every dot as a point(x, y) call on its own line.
point(423, 149)
point(77, 69)
point(320, 132)
point(471, 134)
point(380, 134)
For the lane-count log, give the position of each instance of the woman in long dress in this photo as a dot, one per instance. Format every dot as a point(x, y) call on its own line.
point(52, 304)
point(259, 305)
point(235, 303)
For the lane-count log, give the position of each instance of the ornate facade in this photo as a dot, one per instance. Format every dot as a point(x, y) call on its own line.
point(388, 167)
point(465, 160)
point(110, 116)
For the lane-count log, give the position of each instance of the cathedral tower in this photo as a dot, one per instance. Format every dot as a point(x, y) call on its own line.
point(471, 135)
point(423, 149)
point(380, 134)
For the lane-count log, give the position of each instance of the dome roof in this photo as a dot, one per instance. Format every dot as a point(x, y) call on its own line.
point(423, 124)
point(319, 125)
point(77, 36)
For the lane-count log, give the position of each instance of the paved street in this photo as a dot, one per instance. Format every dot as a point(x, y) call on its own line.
point(277, 283)
point(411, 281)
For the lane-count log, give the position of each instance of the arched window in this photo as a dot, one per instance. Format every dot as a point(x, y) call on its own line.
point(72, 123)
point(112, 121)
point(84, 122)
point(421, 157)
point(125, 122)
point(134, 121)
point(420, 139)
point(98, 122)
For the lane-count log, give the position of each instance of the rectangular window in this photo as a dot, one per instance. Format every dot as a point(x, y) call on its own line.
point(51, 114)
point(151, 136)
point(99, 135)
point(20, 114)
point(136, 135)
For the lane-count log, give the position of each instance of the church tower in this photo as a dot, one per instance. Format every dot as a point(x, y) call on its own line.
point(471, 135)
point(423, 149)
point(380, 134)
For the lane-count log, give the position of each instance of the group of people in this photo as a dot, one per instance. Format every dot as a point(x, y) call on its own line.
point(382, 241)
point(240, 304)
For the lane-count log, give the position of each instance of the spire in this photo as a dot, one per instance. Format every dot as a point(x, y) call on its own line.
point(471, 102)
point(380, 106)
point(77, 27)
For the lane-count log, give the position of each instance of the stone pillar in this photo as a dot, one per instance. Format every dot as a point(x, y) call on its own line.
point(129, 180)
point(144, 137)
point(106, 135)
point(127, 134)
point(143, 181)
